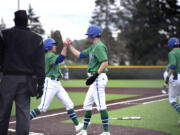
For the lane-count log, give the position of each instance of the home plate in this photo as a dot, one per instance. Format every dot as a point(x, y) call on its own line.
point(30, 133)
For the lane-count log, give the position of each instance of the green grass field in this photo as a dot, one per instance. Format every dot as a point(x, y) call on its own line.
point(158, 116)
point(75, 98)
point(119, 83)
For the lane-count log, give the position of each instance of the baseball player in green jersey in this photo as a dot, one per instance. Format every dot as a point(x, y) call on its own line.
point(173, 76)
point(97, 69)
point(52, 86)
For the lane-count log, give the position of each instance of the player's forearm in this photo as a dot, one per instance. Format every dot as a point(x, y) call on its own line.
point(64, 51)
point(170, 72)
point(102, 67)
point(74, 51)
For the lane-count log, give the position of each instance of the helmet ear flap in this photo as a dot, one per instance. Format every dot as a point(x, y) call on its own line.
point(49, 47)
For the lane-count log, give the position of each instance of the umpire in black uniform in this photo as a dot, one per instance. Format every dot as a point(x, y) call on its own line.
point(23, 66)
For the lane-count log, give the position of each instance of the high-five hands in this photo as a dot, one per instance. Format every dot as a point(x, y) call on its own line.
point(68, 41)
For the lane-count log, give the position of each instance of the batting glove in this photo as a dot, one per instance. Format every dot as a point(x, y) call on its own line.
point(39, 92)
point(91, 79)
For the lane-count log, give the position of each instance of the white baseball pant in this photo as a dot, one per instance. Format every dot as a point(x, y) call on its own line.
point(54, 88)
point(174, 88)
point(96, 93)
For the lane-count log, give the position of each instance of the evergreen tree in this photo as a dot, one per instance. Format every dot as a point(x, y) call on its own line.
point(103, 16)
point(103, 13)
point(147, 27)
point(111, 44)
point(34, 23)
point(56, 35)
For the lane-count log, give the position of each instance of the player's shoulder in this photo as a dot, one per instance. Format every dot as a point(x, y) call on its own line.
point(173, 53)
point(37, 35)
point(50, 55)
point(100, 44)
point(6, 30)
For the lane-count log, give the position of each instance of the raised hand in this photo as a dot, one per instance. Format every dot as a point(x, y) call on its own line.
point(65, 44)
point(68, 41)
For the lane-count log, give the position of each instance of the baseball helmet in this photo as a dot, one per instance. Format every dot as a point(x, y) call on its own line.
point(93, 31)
point(172, 42)
point(48, 43)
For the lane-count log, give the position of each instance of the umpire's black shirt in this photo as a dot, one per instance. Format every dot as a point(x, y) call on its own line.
point(22, 53)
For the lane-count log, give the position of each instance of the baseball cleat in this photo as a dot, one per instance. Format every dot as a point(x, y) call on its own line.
point(79, 127)
point(163, 92)
point(105, 133)
point(82, 132)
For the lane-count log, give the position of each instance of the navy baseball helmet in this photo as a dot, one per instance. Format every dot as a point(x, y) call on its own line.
point(94, 31)
point(48, 43)
point(172, 42)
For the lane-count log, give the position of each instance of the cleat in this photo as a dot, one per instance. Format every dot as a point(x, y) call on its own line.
point(82, 132)
point(163, 92)
point(79, 127)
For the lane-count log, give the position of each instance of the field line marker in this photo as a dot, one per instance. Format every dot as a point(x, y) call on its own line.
point(112, 104)
point(137, 100)
point(155, 101)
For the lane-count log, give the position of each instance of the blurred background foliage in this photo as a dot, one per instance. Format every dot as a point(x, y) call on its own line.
point(134, 31)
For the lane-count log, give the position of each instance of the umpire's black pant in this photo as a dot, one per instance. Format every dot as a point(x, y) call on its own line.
point(14, 88)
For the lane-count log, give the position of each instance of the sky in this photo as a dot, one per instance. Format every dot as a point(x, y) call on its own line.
point(71, 17)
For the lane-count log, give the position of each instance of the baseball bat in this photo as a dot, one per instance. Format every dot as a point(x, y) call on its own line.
point(126, 118)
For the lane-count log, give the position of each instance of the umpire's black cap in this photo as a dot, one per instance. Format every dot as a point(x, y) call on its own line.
point(21, 14)
point(21, 18)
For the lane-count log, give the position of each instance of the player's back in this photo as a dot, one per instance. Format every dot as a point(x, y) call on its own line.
point(176, 53)
point(20, 50)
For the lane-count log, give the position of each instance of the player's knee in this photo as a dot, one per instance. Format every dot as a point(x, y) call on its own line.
point(87, 107)
point(99, 108)
point(69, 106)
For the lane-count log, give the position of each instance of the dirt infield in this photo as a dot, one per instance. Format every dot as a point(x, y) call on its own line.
point(50, 123)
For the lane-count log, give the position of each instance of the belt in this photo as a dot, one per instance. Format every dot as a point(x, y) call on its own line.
point(92, 73)
point(55, 78)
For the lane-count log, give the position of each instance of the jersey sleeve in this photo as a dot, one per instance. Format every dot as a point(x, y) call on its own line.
point(60, 58)
point(86, 52)
point(172, 59)
point(101, 53)
point(52, 59)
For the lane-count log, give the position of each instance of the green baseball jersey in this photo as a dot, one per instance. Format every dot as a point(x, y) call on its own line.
point(97, 54)
point(167, 67)
point(174, 59)
point(52, 69)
